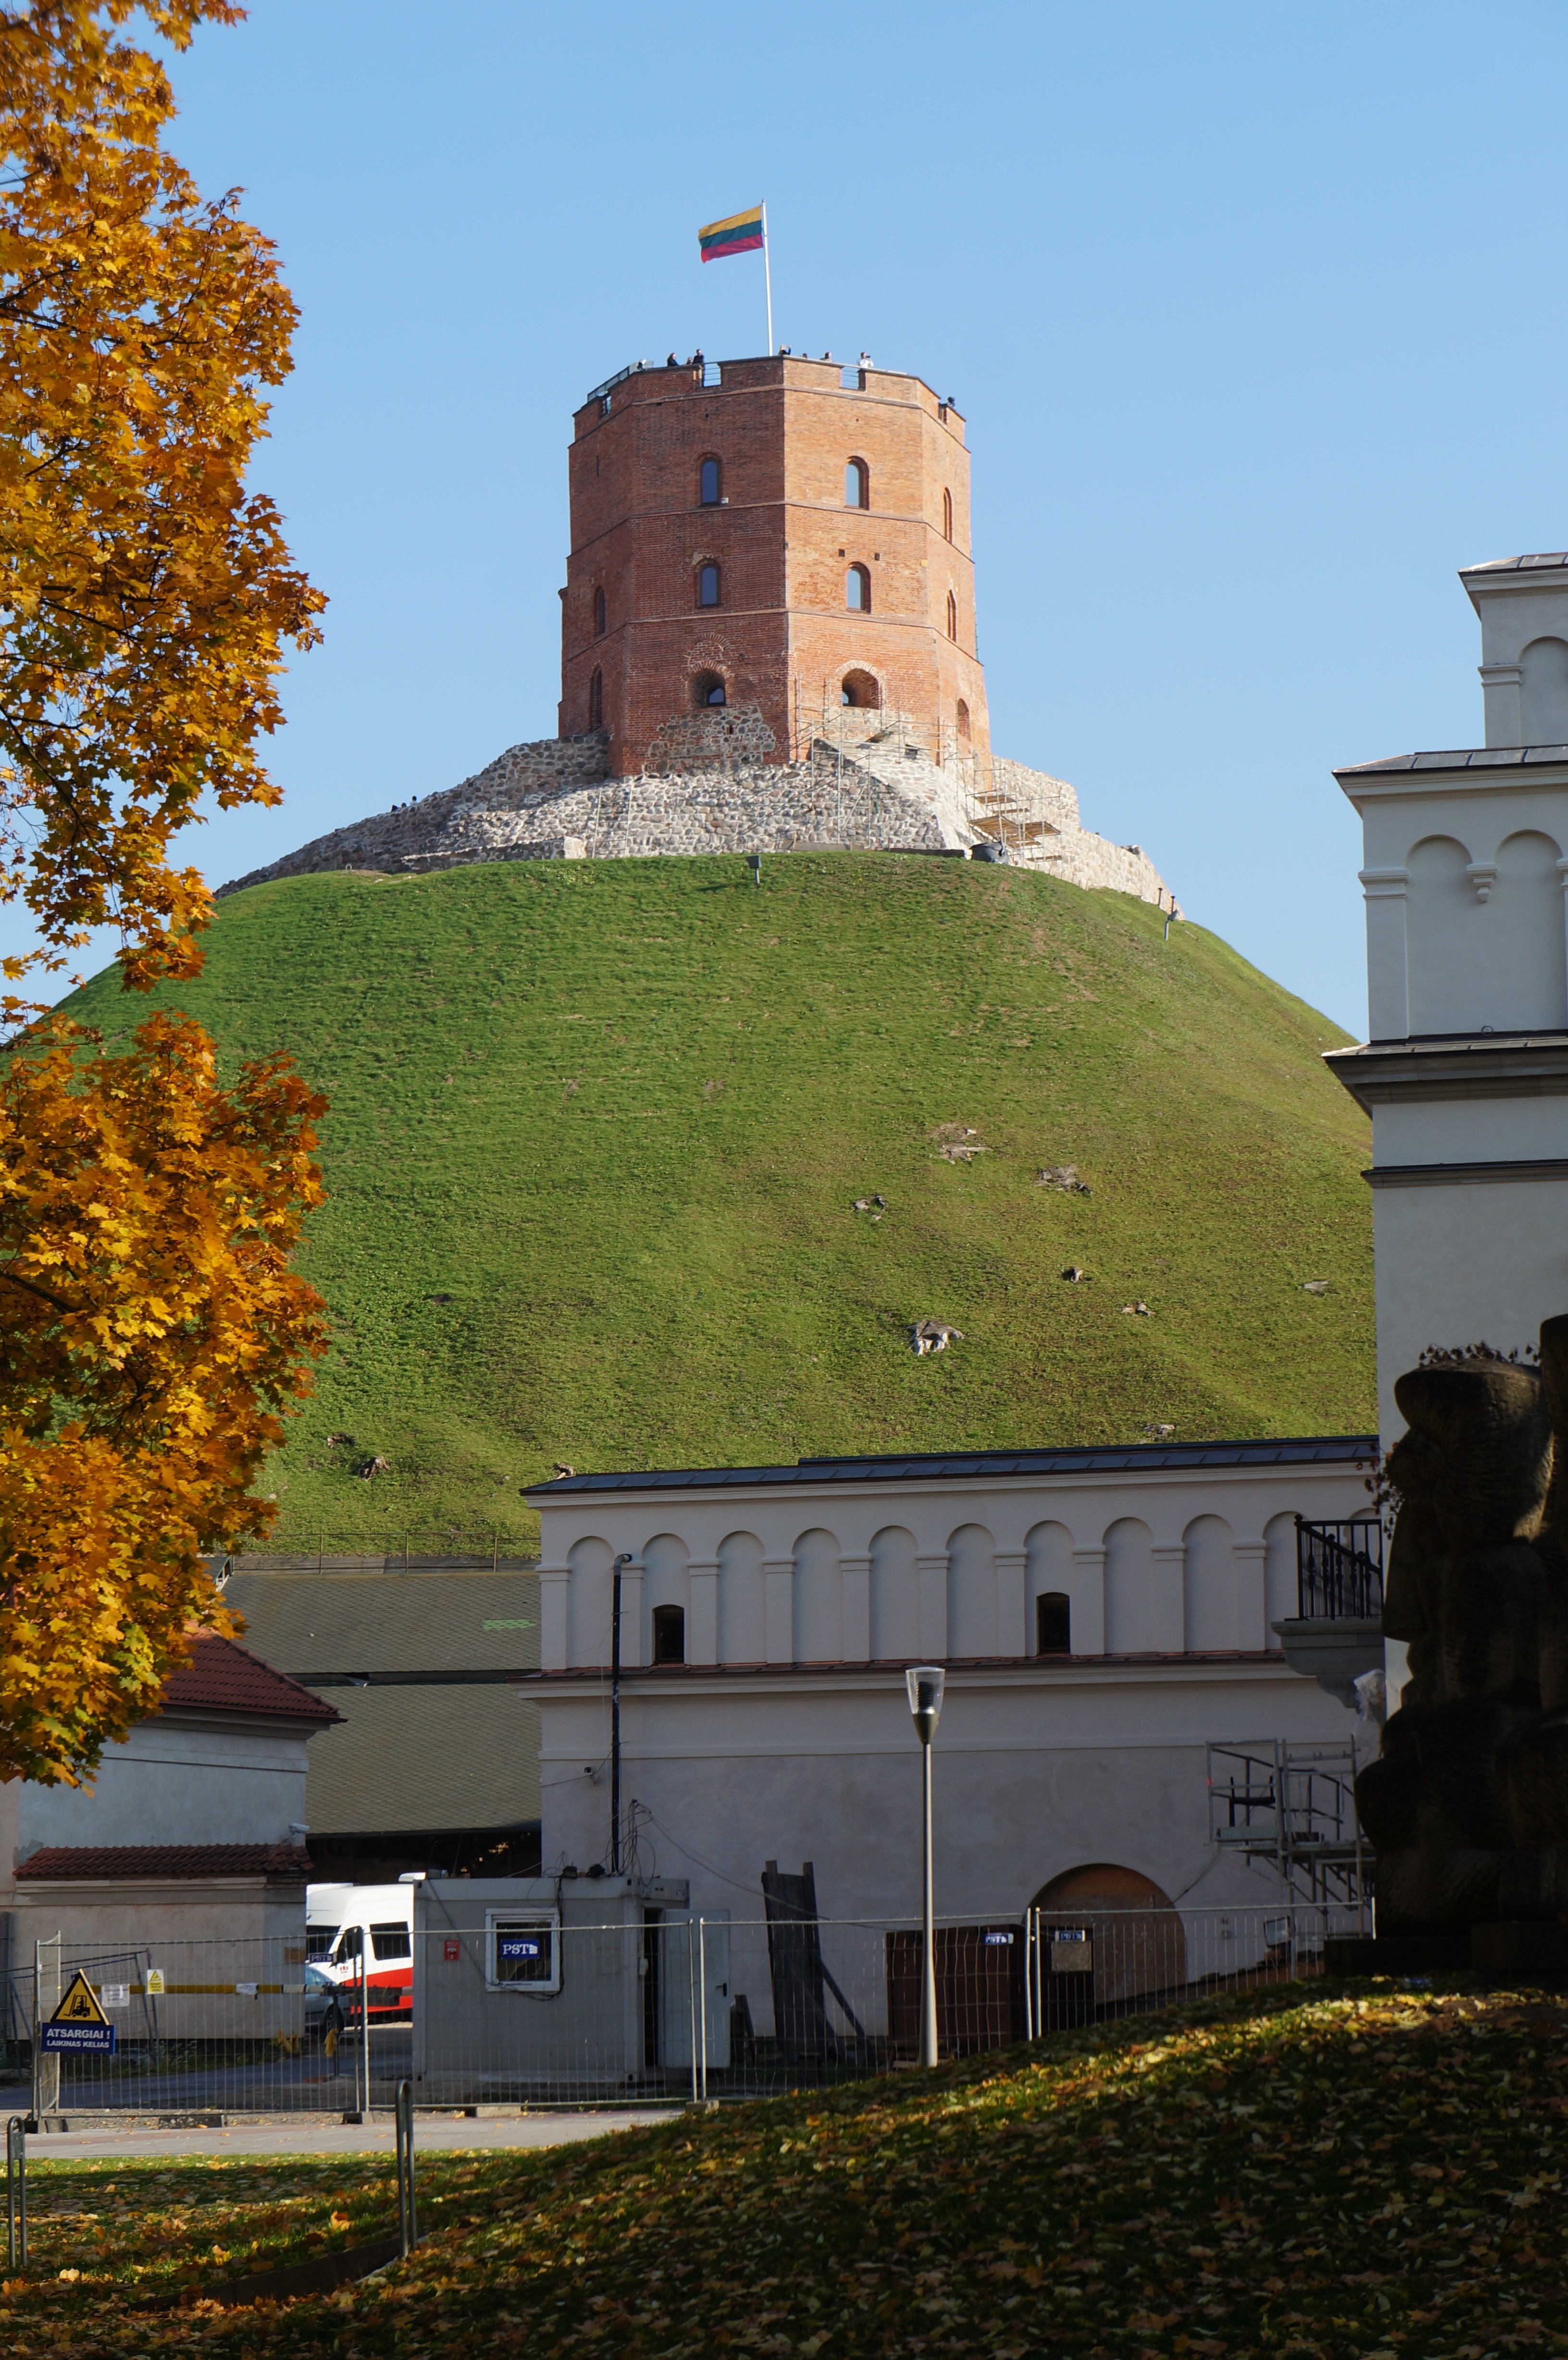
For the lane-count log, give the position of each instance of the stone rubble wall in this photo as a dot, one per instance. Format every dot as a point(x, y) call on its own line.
point(554, 800)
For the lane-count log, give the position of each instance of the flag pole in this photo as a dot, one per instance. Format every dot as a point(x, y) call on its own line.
point(768, 279)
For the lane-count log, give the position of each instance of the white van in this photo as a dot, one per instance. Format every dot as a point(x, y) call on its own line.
point(346, 1923)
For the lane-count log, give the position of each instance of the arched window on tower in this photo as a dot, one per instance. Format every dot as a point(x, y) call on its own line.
point(708, 585)
point(857, 484)
point(947, 515)
point(963, 720)
point(708, 491)
point(952, 615)
point(599, 614)
point(857, 590)
point(861, 688)
point(596, 699)
point(707, 688)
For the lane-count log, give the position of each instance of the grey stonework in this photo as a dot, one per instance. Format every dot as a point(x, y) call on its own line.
point(554, 799)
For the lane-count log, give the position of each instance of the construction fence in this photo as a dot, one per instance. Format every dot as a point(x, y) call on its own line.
point(509, 2005)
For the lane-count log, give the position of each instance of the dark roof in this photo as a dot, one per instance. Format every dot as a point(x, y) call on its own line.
point(1542, 559)
point(222, 1676)
point(375, 1621)
point(426, 1760)
point(1131, 1459)
point(1461, 758)
point(279, 1863)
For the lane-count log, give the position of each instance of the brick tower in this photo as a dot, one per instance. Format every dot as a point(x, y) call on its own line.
point(767, 559)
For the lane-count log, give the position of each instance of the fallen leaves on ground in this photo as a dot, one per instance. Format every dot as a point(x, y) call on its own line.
point(1340, 2171)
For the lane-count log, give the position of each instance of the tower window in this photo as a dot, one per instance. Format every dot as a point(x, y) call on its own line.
point(708, 491)
point(857, 590)
point(596, 699)
point(963, 720)
point(669, 1635)
point(860, 689)
point(947, 515)
point(708, 586)
point(1052, 1623)
point(857, 485)
point(599, 614)
point(707, 689)
point(952, 615)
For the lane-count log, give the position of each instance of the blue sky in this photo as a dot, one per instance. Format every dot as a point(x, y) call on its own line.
point(1255, 314)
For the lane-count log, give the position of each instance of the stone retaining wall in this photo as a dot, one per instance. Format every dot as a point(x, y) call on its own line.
point(553, 800)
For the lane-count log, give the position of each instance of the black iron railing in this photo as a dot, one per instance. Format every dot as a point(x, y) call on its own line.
point(1339, 1570)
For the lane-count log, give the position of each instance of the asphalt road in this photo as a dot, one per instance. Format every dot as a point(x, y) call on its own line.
point(432, 2133)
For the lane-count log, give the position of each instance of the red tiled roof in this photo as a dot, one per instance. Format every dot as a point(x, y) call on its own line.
point(224, 1677)
point(279, 1863)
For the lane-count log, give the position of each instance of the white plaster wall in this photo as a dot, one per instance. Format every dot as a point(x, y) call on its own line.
point(1470, 1130)
point(1464, 1264)
point(1159, 1560)
point(169, 1784)
point(1035, 1771)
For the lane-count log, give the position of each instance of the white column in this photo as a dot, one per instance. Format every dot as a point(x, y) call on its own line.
point(779, 1609)
point(1500, 697)
point(702, 1611)
point(1252, 1631)
point(1169, 1561)
point(631, 1616)
point(855, 1572)
point(555, 1585)
point(1388, 987)
point(932, 1566)
point(1089, 1600)
point(1014, 1636)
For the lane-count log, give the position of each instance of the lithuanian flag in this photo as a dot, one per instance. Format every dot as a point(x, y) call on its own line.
point(742, 234)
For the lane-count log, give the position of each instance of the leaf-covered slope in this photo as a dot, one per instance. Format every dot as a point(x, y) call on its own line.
point(597, 1130)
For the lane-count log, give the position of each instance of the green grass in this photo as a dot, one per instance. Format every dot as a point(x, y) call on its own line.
point(1337, 2172)
point(596, 1131)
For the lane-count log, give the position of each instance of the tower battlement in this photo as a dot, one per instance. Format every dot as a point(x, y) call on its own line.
point(752, 557)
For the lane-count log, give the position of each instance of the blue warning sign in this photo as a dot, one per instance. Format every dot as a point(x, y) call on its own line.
point(78, 2041)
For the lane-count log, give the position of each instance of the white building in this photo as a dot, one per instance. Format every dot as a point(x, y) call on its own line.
point(1466, 1071)
point(191, 1831)
point(1102, 1615)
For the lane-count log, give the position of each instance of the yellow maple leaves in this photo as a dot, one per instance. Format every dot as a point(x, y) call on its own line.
point(146, 596)
point(151, 1331)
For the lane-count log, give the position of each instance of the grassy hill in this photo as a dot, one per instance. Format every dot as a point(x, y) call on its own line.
point(597, 1130)
point(1330, 2170)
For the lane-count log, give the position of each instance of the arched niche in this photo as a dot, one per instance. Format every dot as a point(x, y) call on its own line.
point(818, 1600)
point(1048, 1573)
point(1444, 951)
point(1208, 1586)
point(1280, 1589)
point(590, 1563)
point(1139, 1942)
point(972, 1593)
point(1543, 692)
point(1527, 988)
point(664, 1561)
point(1130, 1619)
point(742, 1631)
point(895, 1597)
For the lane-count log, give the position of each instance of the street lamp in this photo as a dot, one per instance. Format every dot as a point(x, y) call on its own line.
point(924, 1683)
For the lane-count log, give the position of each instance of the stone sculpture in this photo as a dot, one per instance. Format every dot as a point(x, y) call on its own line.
point(1466, 1805)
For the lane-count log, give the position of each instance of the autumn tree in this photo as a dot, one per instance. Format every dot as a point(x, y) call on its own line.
point(151, 1333)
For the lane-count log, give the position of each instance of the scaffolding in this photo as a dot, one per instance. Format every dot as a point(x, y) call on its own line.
point(1293, 1807)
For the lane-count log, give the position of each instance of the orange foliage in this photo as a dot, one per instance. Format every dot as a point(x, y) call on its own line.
point(150, 1332)
point(146, 598)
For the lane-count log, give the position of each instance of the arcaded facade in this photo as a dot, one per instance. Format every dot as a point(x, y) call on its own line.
point(767, 560)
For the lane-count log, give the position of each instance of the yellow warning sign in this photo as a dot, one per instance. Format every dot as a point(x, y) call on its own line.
point(80, 2004)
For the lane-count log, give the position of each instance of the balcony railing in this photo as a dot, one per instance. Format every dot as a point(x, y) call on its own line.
point(1339, 1570)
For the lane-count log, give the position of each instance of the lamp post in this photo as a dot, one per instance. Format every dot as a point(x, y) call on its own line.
point(924, 1683)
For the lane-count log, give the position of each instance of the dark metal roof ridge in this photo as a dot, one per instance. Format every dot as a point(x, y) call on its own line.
point(937, 1465)
point(1457, 758)
point(672, 1674)
point(1447, 1044)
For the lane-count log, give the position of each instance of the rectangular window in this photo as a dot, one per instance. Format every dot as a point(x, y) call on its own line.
point(524, 1951)
point(391, 1942)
